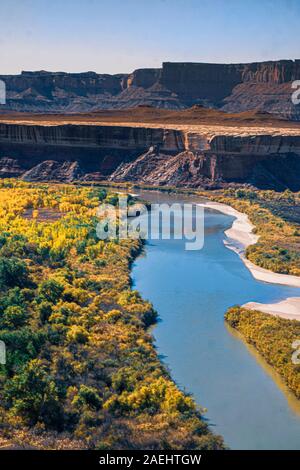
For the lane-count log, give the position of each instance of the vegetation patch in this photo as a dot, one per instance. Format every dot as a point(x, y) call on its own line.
point(81, 369)
point(278, 247)
point(273, 337)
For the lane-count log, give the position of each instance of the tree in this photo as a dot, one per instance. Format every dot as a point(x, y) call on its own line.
point(13, 296)
point(22, 345)
point(13, 272)
point(77, 334)
point(14, 317)
point(45, 310)
point(50, 291)
point(87, 395)
point(33, 395)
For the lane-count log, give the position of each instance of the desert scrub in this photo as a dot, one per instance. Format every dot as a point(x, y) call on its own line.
point(273, 338)
point(81, 370)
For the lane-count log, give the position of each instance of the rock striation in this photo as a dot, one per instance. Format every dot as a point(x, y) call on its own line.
point(187, 156)
point(51, 170)
point(96, 148)
point(265, 86)
point(10, 168)
point(269, 162)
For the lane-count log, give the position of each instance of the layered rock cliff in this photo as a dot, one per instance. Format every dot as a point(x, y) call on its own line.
point(96, 148)
point(264, 161)
point(208, 157)
point(51, 170)
point(232, 87)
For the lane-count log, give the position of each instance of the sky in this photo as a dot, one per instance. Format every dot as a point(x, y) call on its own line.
point(118, 36)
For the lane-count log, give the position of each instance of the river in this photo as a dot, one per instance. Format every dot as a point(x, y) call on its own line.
point(246, 401)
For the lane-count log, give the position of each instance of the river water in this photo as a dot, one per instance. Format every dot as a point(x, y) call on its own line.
point(247, 403)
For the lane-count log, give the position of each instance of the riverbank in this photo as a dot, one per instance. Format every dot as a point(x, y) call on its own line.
point(273, 338)
point(239, 237)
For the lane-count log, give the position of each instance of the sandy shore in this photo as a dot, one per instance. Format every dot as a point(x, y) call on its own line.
point(239, 237)
point(240, 234)
point(288, 308)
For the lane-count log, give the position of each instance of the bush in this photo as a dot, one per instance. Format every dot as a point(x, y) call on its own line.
point(21, 345)
point(272, 337)
point(13, 272)
point(32, 394)
point(77, 334)
point(14, 296)
point(45, 310)
point(89, 396)
point(50, 291)
point(14, 317)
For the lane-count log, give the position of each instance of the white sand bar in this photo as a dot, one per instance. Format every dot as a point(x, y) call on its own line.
point(289, 308)
point(238, 238)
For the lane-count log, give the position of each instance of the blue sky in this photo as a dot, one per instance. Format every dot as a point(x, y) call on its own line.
point(121, 35)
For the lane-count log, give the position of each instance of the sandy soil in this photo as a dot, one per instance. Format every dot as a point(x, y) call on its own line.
point(238, 237)
point(289, 308)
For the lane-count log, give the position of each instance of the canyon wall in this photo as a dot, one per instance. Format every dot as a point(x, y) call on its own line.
point(96, 148)
point(265, 86)
point(263, 161)
point(152, 155)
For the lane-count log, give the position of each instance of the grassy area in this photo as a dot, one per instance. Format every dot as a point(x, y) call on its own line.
point(81, 370)
point(273, 338)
